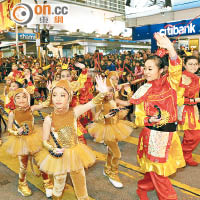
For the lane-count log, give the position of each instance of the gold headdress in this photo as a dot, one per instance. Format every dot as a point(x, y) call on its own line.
point(65, 84)
point(22, 90)
point(109, 74)
point(109, 83)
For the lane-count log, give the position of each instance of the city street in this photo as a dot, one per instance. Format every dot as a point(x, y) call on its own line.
point(186, 181)
point(90, 60)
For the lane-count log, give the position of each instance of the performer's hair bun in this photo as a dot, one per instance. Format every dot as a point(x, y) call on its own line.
point(158, 61)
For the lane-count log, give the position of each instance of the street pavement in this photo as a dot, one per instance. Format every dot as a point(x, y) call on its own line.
point(186, 181)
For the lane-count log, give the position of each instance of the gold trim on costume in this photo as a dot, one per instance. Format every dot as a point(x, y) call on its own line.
point(98, 99)
point(186, 80)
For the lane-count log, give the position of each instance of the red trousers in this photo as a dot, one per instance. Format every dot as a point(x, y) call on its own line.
point(190, 141)
point(161, 184)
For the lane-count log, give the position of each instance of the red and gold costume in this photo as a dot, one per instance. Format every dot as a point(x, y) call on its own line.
point(159, 149)
point(188, 114)
point(16, 75)
point(84, 88)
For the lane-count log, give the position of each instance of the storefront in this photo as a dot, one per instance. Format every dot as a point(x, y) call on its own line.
point(26, 43)
point(186, 32)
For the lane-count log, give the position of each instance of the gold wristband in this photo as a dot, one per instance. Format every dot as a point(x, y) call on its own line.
point(98, 99)
point(12, 132)
point(48, 146)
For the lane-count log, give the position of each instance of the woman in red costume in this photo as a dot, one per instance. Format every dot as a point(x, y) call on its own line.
point(159, 149)
point(188, 115)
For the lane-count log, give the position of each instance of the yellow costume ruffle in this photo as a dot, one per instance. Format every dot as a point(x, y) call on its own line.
point(175, 160)
point(23, 145)
point(73, 159)
point(110, 132)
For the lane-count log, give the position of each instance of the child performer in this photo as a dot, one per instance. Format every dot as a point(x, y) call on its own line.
point(62, 151)
point(9, 80)
point(159, 148)
point(10, 105)
point(188, 97)
point(110, 129)
point(23, 140)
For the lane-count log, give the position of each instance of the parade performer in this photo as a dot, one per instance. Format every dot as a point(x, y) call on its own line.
point(76, 86)
point(159, 148)
point(24, 141)
point(188, 114)
point(15, 73)
point(10, 105)
point(110, 129)
point(122, 91)
point(9, 80)
point(4, 98)
point(62, 152)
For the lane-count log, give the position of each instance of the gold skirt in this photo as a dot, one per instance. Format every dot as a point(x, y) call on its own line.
point(175, 160)
point(73, 159)
point(23, 145)
point(110, 132)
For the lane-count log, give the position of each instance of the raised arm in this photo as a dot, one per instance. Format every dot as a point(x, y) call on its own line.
point(175, 63)
point(102, 88)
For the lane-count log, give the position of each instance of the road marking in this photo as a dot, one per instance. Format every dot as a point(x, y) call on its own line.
point(13, 164)
point(182, 186)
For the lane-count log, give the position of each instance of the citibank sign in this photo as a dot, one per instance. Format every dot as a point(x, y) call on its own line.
point(171, 30)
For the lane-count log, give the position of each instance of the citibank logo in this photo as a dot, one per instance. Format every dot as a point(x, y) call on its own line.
point(22, 13)
point(174, 30)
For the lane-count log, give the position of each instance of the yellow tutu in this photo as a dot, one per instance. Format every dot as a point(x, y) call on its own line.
point(175, 160)
point(110, 132)
point(123, 114)
point(73, 159)
point(23, 145)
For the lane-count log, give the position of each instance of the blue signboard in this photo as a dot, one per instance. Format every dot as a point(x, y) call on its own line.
point(27, 36)
point(22, 36)
point(171, 29)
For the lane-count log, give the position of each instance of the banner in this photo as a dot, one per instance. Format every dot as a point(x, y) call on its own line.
point(5, 8)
